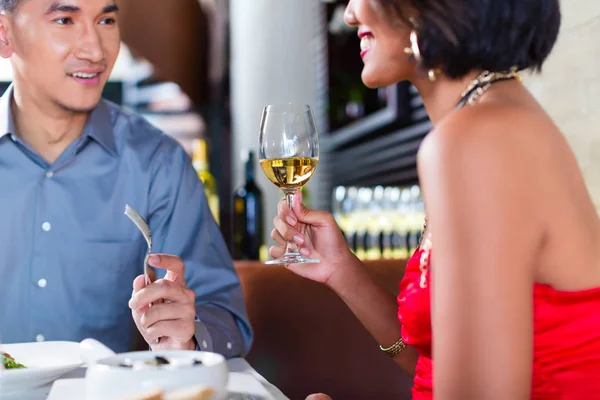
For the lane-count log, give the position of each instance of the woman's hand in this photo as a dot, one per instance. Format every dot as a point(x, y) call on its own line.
point(317, 236)
point(318, 396)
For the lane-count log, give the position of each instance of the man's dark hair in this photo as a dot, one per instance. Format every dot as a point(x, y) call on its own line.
point(458, 36)
point(9, 5)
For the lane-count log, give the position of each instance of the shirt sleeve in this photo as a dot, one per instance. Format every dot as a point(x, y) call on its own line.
point(182, 225)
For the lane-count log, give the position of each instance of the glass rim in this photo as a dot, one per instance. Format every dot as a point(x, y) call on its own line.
point(284, 108)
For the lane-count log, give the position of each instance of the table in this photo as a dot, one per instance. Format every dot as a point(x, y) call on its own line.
point(243, 380)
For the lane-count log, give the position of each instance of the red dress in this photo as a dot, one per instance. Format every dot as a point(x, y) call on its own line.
point(566, 363)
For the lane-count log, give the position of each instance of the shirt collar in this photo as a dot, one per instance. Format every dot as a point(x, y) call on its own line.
point(99, 126)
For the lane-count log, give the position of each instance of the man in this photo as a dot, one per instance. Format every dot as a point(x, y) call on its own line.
point(69, 162)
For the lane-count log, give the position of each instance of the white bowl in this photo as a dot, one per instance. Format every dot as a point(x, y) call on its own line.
point(107, 379)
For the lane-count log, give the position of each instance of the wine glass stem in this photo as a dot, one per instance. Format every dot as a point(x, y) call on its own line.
point(291, 247)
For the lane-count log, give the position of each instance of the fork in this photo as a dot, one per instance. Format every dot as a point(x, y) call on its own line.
point(142, 225)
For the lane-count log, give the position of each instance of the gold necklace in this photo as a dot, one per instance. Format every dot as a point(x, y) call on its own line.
point(470, 95)
point(424, 260)
point(482, 83)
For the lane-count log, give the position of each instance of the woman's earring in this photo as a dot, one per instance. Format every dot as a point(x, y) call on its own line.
point(415, 52)
point(433, 73)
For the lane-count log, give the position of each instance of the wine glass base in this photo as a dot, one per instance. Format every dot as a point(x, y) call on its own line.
point(292, 259)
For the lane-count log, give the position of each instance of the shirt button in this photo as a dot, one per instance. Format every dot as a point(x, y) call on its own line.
point(49, 174)
point(42, 283)
point(46, 226)
point(229, 345)
point(204, 344)
point(40, 338)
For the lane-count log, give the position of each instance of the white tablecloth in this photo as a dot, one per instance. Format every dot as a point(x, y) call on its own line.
point(244, 383)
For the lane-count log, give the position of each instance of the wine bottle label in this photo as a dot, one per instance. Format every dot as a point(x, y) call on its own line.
point(251, 222)
point(239, 205)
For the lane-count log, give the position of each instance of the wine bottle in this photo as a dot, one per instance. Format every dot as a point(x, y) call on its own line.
point(248, 217)
point(200, 163)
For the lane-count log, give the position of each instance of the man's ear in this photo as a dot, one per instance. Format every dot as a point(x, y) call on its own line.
point(5, 43)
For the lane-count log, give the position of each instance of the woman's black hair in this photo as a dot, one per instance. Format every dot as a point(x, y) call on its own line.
point(458, 36)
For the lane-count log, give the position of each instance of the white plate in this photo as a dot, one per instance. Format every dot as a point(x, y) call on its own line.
point(45, 362)
point(239, 386)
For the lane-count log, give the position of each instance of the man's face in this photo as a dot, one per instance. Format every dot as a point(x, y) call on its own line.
point(63, 51)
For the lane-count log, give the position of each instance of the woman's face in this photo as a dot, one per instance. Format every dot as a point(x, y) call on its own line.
point(383, 40)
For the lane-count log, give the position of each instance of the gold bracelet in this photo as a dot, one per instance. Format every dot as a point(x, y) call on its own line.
point(395, 348)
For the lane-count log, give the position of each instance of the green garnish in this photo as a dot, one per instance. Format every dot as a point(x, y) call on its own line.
point(10, 363)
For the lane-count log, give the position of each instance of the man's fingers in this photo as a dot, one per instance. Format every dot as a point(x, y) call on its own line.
point(138, 283)
point(173, 264)
point(179, 330)
point(166, 312)
point(161, 289)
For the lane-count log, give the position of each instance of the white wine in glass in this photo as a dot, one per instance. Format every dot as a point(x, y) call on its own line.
point(289, 155)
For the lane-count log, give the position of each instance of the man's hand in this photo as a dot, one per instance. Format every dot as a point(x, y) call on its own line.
point(170, 318)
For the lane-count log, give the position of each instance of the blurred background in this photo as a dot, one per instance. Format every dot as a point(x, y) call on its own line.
point(202, 71)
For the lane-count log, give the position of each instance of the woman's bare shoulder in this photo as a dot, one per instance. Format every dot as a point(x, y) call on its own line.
point(488, 132)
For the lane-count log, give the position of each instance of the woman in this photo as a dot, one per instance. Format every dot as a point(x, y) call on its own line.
point(508, 274)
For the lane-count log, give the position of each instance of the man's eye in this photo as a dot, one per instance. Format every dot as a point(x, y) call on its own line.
point(64, 21)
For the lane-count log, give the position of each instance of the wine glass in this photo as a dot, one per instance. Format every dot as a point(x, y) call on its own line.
point(289, 154)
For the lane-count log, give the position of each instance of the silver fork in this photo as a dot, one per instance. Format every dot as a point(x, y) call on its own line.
point(142, 225)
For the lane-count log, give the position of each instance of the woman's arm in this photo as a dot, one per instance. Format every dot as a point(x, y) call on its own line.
point(375, 307)
point(477, 183)
point(340, 270)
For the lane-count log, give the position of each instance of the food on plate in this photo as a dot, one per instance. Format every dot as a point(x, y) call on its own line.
point(198, 392)
point(9, 362)
point(160, 361)
point(154, 394)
